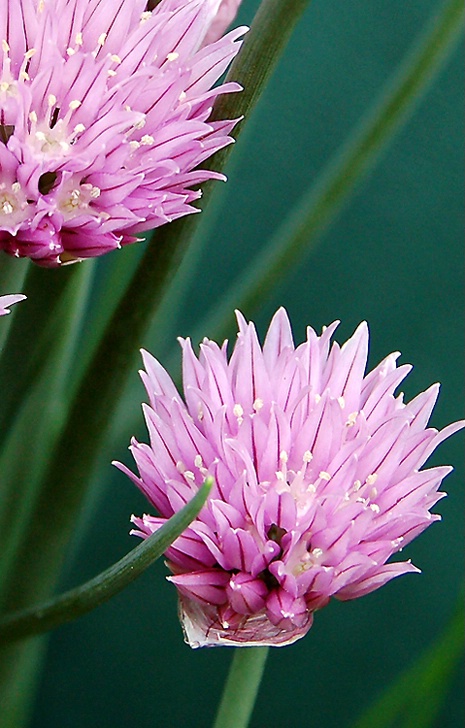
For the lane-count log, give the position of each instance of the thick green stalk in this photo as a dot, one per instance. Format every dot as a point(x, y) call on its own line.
point(33, 331)
point(39, 417)
point(82, 599)
point(12, 275)
point(241, 688)
point(99, 393)
point(323, 202)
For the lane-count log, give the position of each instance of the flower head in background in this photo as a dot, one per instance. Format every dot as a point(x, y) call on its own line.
point(7, 301)
point(104, 120)
point(317, 478)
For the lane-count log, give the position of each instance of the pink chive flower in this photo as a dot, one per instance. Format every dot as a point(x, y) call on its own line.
point(7, 301)
point(104, 120)
point(317, 478)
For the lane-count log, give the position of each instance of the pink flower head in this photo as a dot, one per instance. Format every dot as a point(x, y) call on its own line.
point(317, 478)
point(104, 120)
point(7, 301)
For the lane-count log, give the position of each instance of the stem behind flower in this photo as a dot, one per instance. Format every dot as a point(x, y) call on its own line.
point(241, 688)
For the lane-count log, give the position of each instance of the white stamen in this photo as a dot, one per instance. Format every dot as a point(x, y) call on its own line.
point(237, 410)
point(371, 479)
point(172, 56)
point(147, 140)
point(324, 475)
point(258, 404)
point(351, 419)
point(342, 402)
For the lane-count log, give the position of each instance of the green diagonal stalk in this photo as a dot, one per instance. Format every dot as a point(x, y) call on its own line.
point(76, 602)
point(97, 397)
point(415, 698)
point(320, 206)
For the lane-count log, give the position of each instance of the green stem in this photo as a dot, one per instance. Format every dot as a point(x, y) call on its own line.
point(12, 275)
point(38, 419)
point(100, 589)
point(320, 206)
point(241, 688)
point(415, 698)
point(33, 331)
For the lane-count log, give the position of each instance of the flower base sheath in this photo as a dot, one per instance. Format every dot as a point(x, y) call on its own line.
point(317, 478)
point(104, 120)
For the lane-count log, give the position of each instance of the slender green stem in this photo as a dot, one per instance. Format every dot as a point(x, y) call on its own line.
point(270, 31)
point(321, 205)
point(241, 688)
point(269, 34)
point(100, 589)
point(415, 698)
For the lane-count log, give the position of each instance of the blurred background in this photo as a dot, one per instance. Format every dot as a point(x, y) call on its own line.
point(393, 257)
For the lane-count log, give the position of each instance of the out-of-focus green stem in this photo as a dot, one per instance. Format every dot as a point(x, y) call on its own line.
point(38, 419)
point(241, 688)
point(94, 404)
point(33, 332)
point(323, 202)
point(12, 275)
point(415, 698)
point(100, 589)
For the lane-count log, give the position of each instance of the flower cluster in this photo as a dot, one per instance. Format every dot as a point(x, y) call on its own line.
point(317, 478)
point(104, 119)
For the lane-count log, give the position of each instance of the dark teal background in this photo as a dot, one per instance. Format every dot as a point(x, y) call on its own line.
point(394, 258)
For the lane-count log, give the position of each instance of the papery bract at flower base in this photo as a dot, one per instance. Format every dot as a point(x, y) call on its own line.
point(7, 301)
point(104, 119)
point(317, 480)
